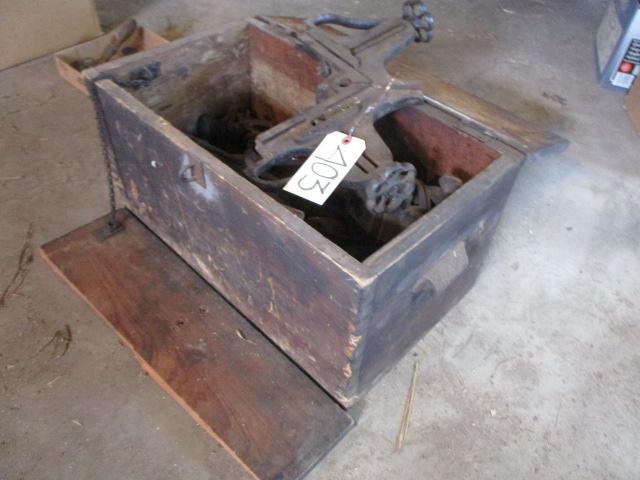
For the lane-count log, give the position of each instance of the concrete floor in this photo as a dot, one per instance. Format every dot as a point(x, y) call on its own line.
point(536, 373)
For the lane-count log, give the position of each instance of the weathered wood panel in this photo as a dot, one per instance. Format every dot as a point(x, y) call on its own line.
point(142, 40)
point(421, 284)
point(240, 240)
point(228, 376)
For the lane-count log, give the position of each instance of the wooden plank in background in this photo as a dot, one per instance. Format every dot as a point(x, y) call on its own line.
point(264, 410)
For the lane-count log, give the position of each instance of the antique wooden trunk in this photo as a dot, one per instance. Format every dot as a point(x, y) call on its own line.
point(345, 321)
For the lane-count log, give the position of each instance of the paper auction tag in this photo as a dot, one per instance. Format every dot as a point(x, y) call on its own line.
point(327, 166)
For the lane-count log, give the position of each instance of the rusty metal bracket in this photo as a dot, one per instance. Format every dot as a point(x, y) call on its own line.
point(194, 173)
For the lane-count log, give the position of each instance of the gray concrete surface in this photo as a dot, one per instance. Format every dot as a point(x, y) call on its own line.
point(536, 374)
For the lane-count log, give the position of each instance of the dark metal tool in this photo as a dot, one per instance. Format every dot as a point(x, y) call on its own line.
point(383, 195)
point(117, 40)
point(356, 92)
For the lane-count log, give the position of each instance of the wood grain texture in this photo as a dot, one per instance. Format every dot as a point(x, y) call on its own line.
point(240, 240)
point(229, 377)
point(490, 118)
point(419, 286)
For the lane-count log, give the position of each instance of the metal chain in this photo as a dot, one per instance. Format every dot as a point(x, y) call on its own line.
point(106, 150)
point(417, 13)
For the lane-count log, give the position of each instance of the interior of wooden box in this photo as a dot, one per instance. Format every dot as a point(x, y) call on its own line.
point(434, 148)
point(259, 78)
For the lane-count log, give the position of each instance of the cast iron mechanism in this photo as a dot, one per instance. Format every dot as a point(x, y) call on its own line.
point(382, 196)
point(356, 92)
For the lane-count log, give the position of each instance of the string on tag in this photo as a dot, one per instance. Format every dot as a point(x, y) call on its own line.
point(346, 140)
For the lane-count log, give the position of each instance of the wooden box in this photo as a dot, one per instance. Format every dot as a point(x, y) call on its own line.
point(65, 59)
point(344, 321)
